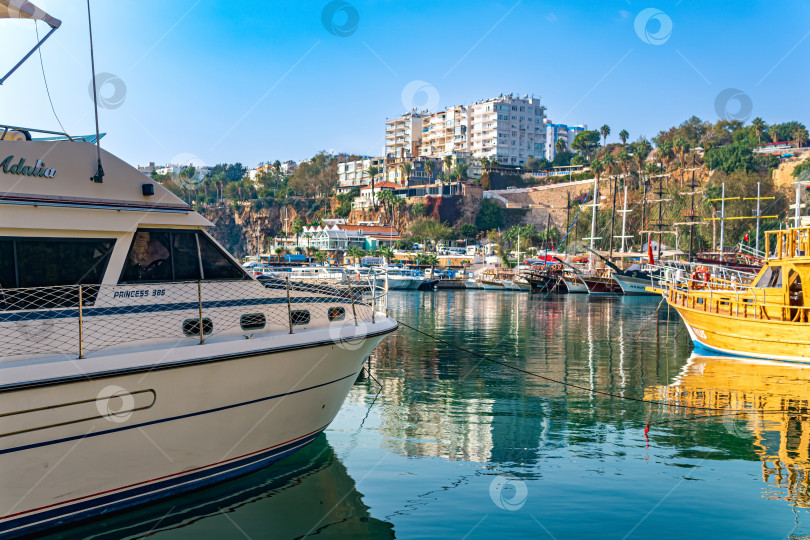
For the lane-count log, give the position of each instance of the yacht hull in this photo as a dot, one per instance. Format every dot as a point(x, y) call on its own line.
point(633, 286)
point(575, 287)
point(92, 445)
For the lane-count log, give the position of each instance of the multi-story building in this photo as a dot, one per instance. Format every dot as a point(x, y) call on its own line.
point(288, 167)
point(560, 131)
point(508, 129)
point(403, 135)
point(445, 132)
point(353, 173)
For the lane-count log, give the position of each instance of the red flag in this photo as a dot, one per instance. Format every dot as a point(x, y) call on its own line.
point(649, 249)
point(745, 238)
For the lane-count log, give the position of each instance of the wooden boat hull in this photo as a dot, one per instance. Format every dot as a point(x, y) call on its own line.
point(602, 286)
point(751, 338)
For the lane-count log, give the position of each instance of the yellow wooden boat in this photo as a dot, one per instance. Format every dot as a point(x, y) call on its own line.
point(766, 318)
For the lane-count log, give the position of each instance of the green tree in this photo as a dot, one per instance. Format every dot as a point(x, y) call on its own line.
point(372, 172)
point(604, 131)
point(623, 136)
point(560, 145)
point(387, 253)
point(799, 135)
point(430, 166)
point(759, 127)
point(429, 229)
point(406, 169)
point(468, 230)
point(490, 216)
point(586, 142)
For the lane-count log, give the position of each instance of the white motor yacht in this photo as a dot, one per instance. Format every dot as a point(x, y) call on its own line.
point(139, 359)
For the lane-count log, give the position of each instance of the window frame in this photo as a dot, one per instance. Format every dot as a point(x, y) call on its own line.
point(245, 275)
point(56, 239)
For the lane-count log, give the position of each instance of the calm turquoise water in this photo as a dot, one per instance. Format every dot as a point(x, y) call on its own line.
point(455, 447)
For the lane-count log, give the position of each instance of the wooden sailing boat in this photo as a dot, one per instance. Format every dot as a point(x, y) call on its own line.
point(767, 319)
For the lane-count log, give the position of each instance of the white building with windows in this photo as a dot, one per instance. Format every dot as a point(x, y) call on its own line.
point(508, 128)
point(560, 131)
point(403, 135)
point(353, 173)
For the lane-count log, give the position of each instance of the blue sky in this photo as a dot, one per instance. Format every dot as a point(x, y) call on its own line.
point(268, 80)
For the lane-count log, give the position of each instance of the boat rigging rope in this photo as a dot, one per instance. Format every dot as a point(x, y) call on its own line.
point(585, 388)
point(44, 78)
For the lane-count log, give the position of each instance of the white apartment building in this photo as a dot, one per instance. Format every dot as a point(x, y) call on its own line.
point(288, 167)
point(403, 135)
point(445, 132)
point(560, 131)
point(353, 173)
point(508, 128)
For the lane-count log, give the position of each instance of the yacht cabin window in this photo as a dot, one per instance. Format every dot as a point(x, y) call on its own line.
point(164, 255)
point(51, 262)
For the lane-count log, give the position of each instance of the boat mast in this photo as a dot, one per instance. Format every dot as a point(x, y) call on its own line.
point(624, 211)
point(722, 221)
point(593, 222)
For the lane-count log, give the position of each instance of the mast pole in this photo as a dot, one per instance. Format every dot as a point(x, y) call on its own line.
point(593, 222)
point(722, 221)
point(613, 216)
point(624, 215)
point(759, 185)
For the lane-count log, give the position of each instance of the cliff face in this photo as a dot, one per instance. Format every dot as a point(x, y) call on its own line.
point(239, 227)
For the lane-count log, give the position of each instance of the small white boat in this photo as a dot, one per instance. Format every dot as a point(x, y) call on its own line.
point(471, 284)
point(401, 279)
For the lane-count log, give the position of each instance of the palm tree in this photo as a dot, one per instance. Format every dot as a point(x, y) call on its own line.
point(560, 145)
point(759, 127)
point(372, 172)
point(598, 167)
point(605, 131)
point(681, 146)
point(484, 162)
point(609, 163)
point(774, 133)
point(355, 253)
point(800, 136)
point(406, 169)
point(430, 166)
point(624, 159)
point(640, 153)
point(666, 153)
point(320, 256)
point(624, 135)
point(460, 171)
point(387, 253)
point(430, 259)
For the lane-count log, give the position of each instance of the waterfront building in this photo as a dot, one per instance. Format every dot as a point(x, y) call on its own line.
point(341, 237)
point(353, 173)
point(560, 131)
point(509, 129)
point(445, 132)
point(403, 135)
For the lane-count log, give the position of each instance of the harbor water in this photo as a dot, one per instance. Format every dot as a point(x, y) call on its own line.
point(608, 429)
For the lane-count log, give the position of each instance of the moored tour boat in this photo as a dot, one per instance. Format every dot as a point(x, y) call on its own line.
point(767, 318)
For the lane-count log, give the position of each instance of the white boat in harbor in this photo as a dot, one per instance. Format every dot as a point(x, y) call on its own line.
point(401, 279)
point(139, 359)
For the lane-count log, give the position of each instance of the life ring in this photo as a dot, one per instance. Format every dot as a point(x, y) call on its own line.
point(700, 277)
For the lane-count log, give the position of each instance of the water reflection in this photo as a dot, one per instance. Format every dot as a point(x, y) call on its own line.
point(307, 494)
point(765, 403)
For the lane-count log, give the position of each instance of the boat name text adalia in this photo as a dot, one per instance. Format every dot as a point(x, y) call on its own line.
point(21, 168)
